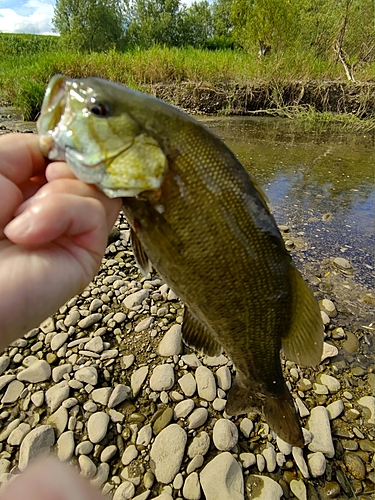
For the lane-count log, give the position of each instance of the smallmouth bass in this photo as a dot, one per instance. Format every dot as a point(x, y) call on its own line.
point(199, 219)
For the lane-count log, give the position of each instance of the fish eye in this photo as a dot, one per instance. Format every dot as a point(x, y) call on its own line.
point(99, 109)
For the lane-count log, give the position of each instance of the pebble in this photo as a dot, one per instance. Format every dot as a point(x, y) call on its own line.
point(125, 491)
point(9, 429)
point(97, 426)
point(162, 378)
point(4, 363)
point(298, 488)
point(58, 420)
point(318, 424)
point(144, 435)
point(195, 463)
point(335, 409)
point(197, 418)
point(248, 460)
point(329, 351)
point(219, 404)
point(222, 479)
point(65, 446)
point(137, 379)
point(13, 392)
point(369, 403)
point(302, 408)
point(192, 488)
point(5, 379)
point(101, 395)
point(225, 435)
point(119, 394)
point(135, 299)
point(191, 360)
point(342, 263)
point(200, 445)
point(331, 383)
point(283, 446)
point(47, 326)
point(300, 461)
point(87, 375)
point(270, 457)
point(72, 318)
point(167, 452)
point(40, 371)
point(188, 384)
point(38, 442)
point(37, 398)
point(261, 462)
point(58, 340)
point(224, 380)
point(317, 463)
point(206, 384)
point(329, 307)
point(170, 345)
point(95, 345)
point(101, 476)
point(17, 435)
point(355, 465)
point(263, 488)
point(59, 371)
point(90, 320)
point(182, 409)
point(127, 361)
point(129, 454)
point(84, 448)
point(351, 344)
point(88, 468)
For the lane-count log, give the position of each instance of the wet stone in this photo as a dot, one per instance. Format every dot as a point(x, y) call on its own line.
point(355, 466)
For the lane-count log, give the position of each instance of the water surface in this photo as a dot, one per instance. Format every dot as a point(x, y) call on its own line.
point(319, 181)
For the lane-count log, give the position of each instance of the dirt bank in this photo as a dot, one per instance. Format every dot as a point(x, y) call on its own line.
point(274, 98)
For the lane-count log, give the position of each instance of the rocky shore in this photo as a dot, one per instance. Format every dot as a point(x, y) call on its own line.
point(107, 386)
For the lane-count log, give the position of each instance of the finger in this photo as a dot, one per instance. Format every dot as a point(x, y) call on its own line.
point(50, 480)
point(58, 170)
point(48, 218)
point(11, 197)
point(20, 157)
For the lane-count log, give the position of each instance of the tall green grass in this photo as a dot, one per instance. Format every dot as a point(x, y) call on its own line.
point(23, 79)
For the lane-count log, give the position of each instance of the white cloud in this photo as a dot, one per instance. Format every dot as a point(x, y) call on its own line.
point(32, 16)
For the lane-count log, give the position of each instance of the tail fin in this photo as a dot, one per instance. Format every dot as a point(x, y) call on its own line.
point(278, 410)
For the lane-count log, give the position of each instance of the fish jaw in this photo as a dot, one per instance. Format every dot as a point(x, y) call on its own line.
point(112, 152)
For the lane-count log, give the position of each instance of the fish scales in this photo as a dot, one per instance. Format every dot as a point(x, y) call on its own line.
point(199, 218)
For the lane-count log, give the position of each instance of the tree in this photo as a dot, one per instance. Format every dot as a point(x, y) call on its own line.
point(90, 25)
point(153, 22)
point(197, 24)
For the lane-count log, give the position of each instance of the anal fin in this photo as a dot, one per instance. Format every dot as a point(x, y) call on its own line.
point(140, 255)
point(197, 336)
point(304, 341)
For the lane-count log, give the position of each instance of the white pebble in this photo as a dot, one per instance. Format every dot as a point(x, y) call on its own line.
point(205, 383)
point(192, 488)
point(222, 479)
point(162, 378)
point(225, 435)
point(317, 464)
point(97, 426)
point(187, 384)
point(197, 418)
point(318, 424)
point(171, 342)
point(167, 452)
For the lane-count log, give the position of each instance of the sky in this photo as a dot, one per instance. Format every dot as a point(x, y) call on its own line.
point(30, 16)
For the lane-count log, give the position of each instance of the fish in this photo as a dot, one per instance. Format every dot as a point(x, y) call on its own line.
point(201, 221)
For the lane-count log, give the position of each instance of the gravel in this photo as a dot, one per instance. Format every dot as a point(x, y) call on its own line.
point(107, 385)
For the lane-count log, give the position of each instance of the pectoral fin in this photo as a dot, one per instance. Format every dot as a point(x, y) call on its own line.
point(140, 256)
point(304, 342)
point(197, 336)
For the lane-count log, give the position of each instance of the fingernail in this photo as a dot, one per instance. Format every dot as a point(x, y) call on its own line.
point(22, 224)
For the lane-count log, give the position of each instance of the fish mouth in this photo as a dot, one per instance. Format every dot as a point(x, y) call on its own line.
point(52, 111)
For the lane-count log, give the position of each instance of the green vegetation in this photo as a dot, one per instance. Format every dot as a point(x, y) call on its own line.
point(276, 47)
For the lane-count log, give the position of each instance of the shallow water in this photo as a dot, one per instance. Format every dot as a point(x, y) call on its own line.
point(319, 181)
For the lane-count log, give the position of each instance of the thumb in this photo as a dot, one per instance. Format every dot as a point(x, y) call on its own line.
point(49, 480)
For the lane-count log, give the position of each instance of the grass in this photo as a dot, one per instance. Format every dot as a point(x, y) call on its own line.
point(23, 79)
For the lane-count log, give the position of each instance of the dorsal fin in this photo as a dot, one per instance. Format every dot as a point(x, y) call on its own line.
point(140, 255)
point(197, 336)
point(304, 342)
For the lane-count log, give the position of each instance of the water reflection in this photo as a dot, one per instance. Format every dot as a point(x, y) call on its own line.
point(319, 181)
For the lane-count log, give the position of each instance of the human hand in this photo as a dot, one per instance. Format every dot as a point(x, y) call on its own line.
point(53, 234)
